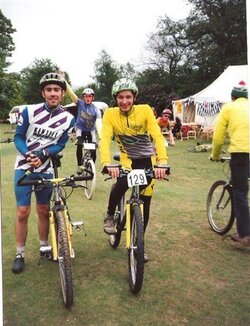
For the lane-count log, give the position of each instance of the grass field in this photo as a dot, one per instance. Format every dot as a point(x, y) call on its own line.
point(193, 276)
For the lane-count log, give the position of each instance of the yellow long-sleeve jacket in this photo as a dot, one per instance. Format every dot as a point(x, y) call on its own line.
point(136, 133)
point(234, 120)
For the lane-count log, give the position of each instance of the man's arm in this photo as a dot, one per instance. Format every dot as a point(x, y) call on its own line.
point(219, 133)
point(71, 93)
point(106, 135)
point(69, 90)
point(20, 134)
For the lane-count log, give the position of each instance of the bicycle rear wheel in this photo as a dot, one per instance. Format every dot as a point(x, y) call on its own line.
point(136, 250)
point(89, 185)
point(220, 212)
point(119, 218)
point(64, 259)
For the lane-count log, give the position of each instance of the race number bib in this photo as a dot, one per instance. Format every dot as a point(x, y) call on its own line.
point(137, 177)
point(88, 145)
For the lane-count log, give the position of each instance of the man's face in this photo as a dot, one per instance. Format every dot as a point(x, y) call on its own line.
point(125, 100)
point(165, 116)
point(53, 95)
point(88, 98)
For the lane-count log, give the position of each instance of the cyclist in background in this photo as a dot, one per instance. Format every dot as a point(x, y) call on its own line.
point(89, 118)
point(132, 126)
point(234, 120)
point(42, 131)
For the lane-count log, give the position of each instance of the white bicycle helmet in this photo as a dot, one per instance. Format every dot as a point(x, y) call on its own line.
point(52, 78)
point(88, 91)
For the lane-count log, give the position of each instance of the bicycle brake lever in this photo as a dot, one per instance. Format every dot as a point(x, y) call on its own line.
point(108, 178)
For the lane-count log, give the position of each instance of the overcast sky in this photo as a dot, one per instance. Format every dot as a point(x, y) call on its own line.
point(72, 33)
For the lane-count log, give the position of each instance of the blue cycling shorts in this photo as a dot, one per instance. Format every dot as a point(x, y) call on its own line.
point(23, 193)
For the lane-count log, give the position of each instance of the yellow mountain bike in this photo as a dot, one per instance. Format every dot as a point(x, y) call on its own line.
point(61, 225)
point(128, 217)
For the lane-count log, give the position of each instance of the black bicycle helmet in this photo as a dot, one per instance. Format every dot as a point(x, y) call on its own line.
point(52, 78)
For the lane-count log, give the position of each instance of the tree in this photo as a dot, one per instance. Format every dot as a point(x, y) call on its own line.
point(30, 77)
point(196, 50)
point(106, 73)
point(9, 84)
point(6, 41)
point(217, 36)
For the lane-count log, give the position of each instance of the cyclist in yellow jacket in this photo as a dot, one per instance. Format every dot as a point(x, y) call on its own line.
point(140, 141)
point(234, 121)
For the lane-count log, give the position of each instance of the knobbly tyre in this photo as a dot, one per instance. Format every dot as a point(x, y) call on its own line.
point(199, 148)
point(61, 225)
point(128, 217)
point(220, 210)
point(88, 167)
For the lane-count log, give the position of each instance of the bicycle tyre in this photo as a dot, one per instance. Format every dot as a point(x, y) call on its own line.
point(90, 185)
point(64, 259)
point(119, 218)
point(136, 250)
point(220, 211)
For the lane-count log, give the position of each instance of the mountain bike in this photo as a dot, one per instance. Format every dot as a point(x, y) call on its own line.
point(128, 217)
point(220, 210)
point(88, 167)
point(61, 225)
point(198, 148)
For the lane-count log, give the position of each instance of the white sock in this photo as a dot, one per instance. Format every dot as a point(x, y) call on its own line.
point(20, 250)
point(44, 243)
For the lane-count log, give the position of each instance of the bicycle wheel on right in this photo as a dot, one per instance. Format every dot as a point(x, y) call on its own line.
point(136, 250)
point(64, 259)
point(89, 185)
point(220, 212)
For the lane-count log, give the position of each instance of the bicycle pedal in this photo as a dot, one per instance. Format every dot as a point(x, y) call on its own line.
point(45, 249)
point(46, 252)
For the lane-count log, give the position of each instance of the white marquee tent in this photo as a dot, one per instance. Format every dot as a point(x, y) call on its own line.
point(203, 107)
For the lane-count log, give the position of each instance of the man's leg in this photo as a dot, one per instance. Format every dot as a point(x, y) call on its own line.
point(43, 223)
point(239, 172)
point(21, 231)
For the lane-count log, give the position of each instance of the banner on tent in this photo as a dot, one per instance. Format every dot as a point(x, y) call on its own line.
point(208, 108)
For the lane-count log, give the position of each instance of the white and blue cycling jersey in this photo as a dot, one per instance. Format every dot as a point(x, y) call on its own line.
point(39, 128)
point(87, 115)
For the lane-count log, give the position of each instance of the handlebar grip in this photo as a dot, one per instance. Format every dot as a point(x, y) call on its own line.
point(20, 181)
point(82, 177)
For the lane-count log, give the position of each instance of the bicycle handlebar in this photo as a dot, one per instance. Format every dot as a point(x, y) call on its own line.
point(123, 173)
point(67, 181)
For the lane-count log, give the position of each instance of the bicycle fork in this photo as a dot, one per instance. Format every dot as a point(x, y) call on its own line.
point(53, 235)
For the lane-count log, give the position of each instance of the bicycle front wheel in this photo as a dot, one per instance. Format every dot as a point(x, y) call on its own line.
point(89, 185)
point(136, 250)
point(220, 211)
point(64, 259)
point(119, 218)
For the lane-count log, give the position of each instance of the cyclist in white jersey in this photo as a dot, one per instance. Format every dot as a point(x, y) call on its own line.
point(42, 132)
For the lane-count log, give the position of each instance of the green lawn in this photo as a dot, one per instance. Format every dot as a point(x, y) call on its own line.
point(193, 276)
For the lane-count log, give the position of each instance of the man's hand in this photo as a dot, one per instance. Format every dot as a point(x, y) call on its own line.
point(113, 172)
point(33, 160)
point(160, 172)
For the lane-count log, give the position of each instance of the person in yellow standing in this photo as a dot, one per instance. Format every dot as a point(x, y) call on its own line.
point(137, 134)
point(234, 121)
